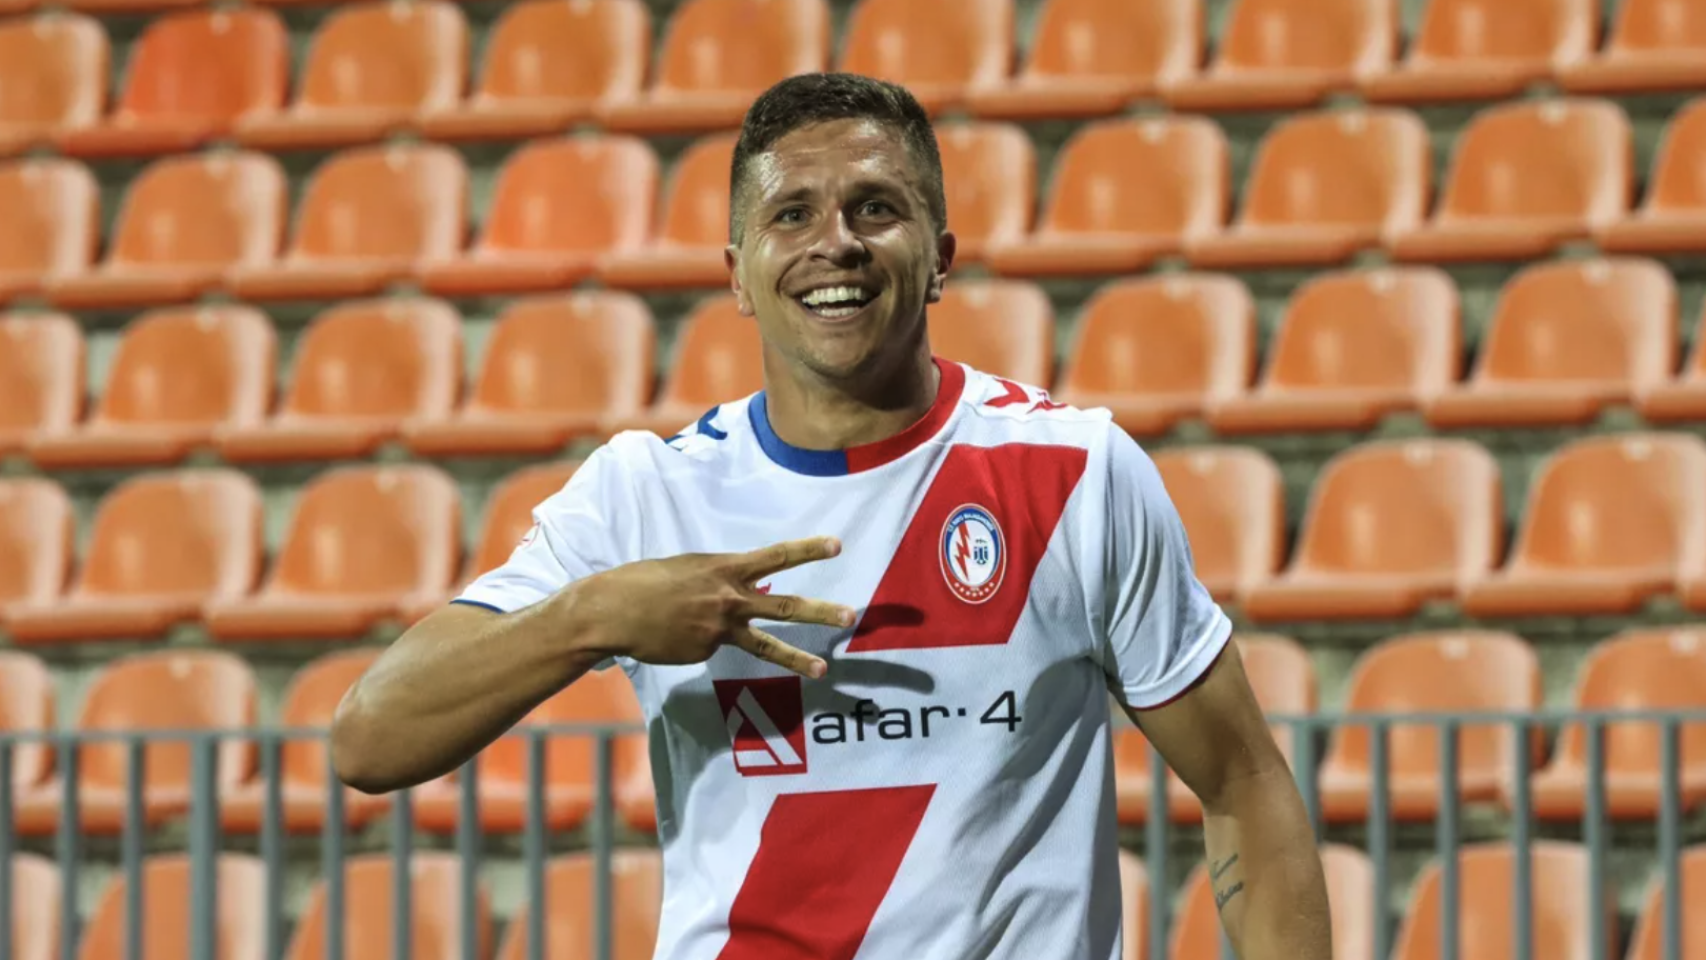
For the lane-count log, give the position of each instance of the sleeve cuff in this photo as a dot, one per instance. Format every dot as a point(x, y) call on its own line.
point(1194, 666)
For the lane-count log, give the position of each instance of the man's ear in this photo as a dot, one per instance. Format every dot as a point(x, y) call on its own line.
point(945, 248)
point(731, 259)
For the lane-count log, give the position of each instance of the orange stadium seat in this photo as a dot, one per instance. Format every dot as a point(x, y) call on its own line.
point(1655, 45)
point(1638, 669)
point(27, 706)
point(1353, 347)
point(35, 907)
point(367, 216)
point(1324, 187)
point(1002, 327)
point(1284, 682)
point(1091, 58)
point(37, 542)
point(636, 901)
point(1232, 503)
point(309, 702)
point(362, 369)
point(41, 377)
point(942, 51)
point(1467, 671)
point(1682, 398)
point(557, 206)
point(1486, 890)
point(371, 67)
point(1525, 178)
point(1290, 54)
point(989, 173)
point(166, 690)
point(717, 359)
point(1350, 896)
point(364, 542)
point(239, 930)
point(191, 77)
point(1672, 218)
point(717, 57)
point(54, 71)
point(1608, 524)
point(1568, 339)
point(693, 229)
point(555, 367)
point(178, 376)
point(434, 906)
point(1124, 193)
point(548, 66)
point(1391, 525)
point(161, 546)
point(571, 777)
point(1487, 50)
point(1157, 350)
point(53, 219)
point(186, 221)
point(1647, 942)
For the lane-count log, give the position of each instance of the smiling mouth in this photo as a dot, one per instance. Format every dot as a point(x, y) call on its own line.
point(836, 303)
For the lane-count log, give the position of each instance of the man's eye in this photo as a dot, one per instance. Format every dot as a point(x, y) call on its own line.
point(790, 215)
point(876, 208)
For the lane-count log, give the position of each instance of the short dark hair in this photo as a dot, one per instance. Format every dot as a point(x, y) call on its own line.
point(811, 98)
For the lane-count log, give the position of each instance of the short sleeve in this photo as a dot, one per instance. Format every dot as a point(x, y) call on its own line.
point(1161, 628)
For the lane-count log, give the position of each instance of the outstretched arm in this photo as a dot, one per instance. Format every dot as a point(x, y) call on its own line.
point(1263, 862)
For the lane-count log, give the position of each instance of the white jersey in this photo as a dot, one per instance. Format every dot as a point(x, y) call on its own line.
point(946, 792)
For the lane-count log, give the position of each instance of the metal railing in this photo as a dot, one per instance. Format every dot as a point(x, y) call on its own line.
point(205, 833)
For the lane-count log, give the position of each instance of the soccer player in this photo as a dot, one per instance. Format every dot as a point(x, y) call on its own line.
point(873, 614)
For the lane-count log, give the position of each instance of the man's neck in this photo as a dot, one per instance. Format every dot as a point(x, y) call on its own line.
point(811, 413)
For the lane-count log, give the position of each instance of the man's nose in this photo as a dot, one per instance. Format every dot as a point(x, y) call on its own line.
point(837, 241)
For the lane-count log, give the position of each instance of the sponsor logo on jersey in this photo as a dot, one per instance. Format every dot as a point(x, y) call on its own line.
point(973, 554)
point(766, 723)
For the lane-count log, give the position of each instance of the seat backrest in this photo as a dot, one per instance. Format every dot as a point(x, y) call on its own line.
point(1511, 30)
point(1486, 877)
point(174, 690)
point(509, 512)
point(53, 217)
point(584, 195)
point(636, 900)
point(1678, 180)
point(1231, 501)
point(696, 210)
point(41, 372)
point(1648, 940)
point(1162, 176)
point(742, 45)
point(387, 54)
point(1547, 158)
point(203, 210)
point(35, 908)
point(717, 358)
point(53, 70)
point(37, 534)
point(1161, 40)
point(391, 356)
point(1423, 507)
point(592, 50)
point(961, 42)
point(1350, 883)
point(434, 903)
point(1464, 671)
point(1361, 329)
point(166, 890)
point(1356, 35)
point(195, 531)
point(1281, 673)
point(599, 696)
point(1602, 319)
point(310, 702)
point(1629, 501)
point(366, 530)
point(1667, 25)
point(1186, 333)
point(588, 352)
point(1641, 669)
point(395, 200)
point(1000, 327)
point(1364, 168)
point(989, 174)
point(212, 66)
point(27, 705)
point(210, 364)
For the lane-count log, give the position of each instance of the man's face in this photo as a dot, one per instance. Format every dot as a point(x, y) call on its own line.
point(840, 253)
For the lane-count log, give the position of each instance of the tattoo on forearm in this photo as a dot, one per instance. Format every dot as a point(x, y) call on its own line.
point(1223, 894)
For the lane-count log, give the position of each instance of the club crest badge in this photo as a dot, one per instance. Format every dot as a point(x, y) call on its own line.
point(973, 554)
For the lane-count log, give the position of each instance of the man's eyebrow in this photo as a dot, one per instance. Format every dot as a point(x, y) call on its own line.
point(861, 187)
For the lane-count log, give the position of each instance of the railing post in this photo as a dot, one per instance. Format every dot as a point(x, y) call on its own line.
point(403, 875)
point(332, 862)
point(67, 848)
point(272, 843)
point(468, 851)
point(1446, 841)
point(1522, 905)
point(603, 840)
point(1155, 846)
point(533, 845)
point(204, 847)
point(1670, 838)
point(6, 845)
point(1380, 833)
point(1595, 831)
point(136, 755)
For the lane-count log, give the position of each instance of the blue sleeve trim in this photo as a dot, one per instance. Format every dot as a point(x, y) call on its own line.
point(476, 603)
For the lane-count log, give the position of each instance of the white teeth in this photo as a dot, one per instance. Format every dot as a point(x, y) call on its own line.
point(834, 295)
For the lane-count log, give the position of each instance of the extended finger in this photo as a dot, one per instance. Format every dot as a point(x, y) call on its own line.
point(766, 647)
point(792, 609)
point(777, 557)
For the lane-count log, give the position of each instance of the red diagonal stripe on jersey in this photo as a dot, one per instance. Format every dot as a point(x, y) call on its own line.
point(825, 862)
point(1025, 487)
